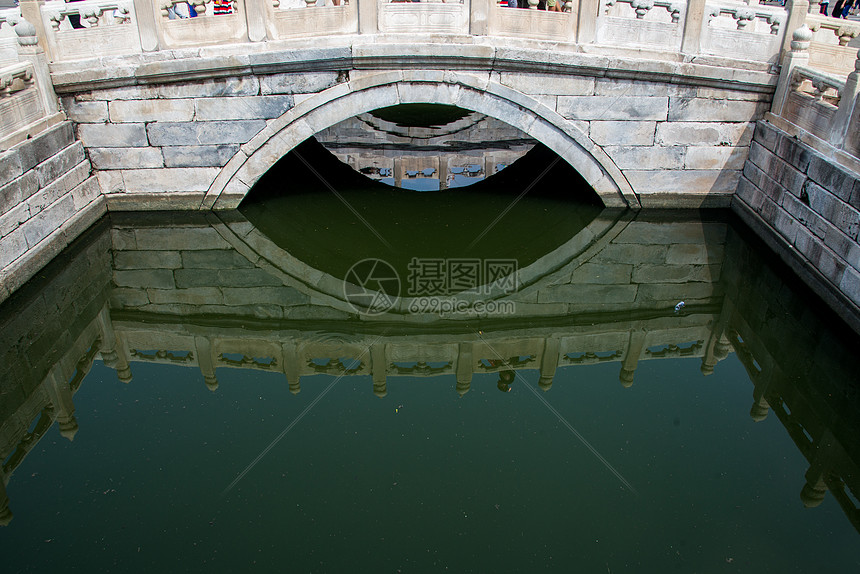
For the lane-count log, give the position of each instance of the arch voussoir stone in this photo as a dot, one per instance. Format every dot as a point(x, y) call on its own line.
point(371, 91)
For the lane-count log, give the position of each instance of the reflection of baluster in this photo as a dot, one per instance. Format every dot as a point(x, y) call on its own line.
point(718, 346)
point(635, 346)
point(291, 367)
point(378, 370)
point(443, 172)
point(464, 368)
point(815, 489)
point(206, 362)
point(64, 406)
point(398, 171)
point(548, 363)
point(5, 512)
point(761, 382)
point(108, 347)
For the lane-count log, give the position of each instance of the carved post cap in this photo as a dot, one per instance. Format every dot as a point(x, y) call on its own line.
point(801, 39)
point(69, 428)
point(211, 383)
point(626, 377)
point(124, 375)
point(545, 383)
point(26, 33)
point(758, 412)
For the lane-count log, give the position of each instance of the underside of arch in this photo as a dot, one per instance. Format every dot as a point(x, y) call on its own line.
point(367, 93)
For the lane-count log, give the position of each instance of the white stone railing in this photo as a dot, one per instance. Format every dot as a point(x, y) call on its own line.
point(209, 27)
point(440, 17)
point(109, 27)
point(829, 49)
point(642, 23)
point(538, 24)
point(293, 18)
point(809, 102)
point(743, 32)
point(20, 103)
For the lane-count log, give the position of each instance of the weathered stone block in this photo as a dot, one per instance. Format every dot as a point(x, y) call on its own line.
point(709, 110)
point(618, 87)
point(215, 259)
point(147, 260)
point(126, 157)
point(623, 108)
point(59, 164)
point(831, 177)
point(203, 133)
point(86, 193)
point(242, 277)
point(50, 193)
point(691, 181)
point(169, 179)
point(627, 133)
point(843, 246)
point(229, 86)
point(123, 239)
point(804, 214)
point(123, 298)
point(12, 246)
point(673, 292)
point(695, 254)
point(823, 202)
point(242, 107)
point(300, 83)
point(112, 135)
point(48, 220)
point(10, 167)
point(632, 157)
point(110, 181)
point(704, 133)
point(166, 110)
point(778, 170)
point(199, 156)
point(144, 278)
point(34, 151)
point(716, 157)
point(850, 285)
point(18, 190)
point(750, 194)
point(179, 239)
point(86, 112)
point(650, 234)
point(10, 220)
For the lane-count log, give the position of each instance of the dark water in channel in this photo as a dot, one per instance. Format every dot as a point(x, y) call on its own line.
point(634, 438)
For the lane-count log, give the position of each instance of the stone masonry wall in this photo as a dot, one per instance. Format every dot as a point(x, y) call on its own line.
point(47, 198)
point(796, 198)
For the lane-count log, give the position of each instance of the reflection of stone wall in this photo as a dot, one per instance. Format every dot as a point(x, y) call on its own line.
point(802, 364)
point(648, 264)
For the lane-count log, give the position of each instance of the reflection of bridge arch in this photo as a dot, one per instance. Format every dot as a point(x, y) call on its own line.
point(326, 289)
point(392, 88)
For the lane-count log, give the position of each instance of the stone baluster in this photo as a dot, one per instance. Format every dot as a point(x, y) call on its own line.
point(797, 10)
point(479, 17)
point(290, 356)
point(29, 50)
point(798, 56)
point(31, 11)
point(146, 14)
point(108, 336)
point(255, 16)
point(589, 10)
point(815, 489)
point(60, 394)
point(379, 370)
point(367, 17)
point(464, 368)
point(635, 348)
point(847, 105)
point(693, 22)
point(206, 361)
point(548, 363)
point(533, 4)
